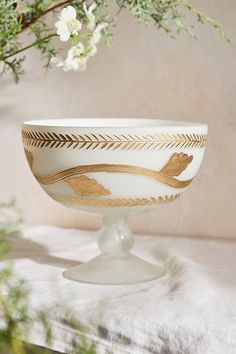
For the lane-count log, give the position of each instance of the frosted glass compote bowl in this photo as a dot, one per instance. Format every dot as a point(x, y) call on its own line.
point(114, 167)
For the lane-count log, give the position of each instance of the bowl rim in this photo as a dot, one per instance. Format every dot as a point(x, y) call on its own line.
point(112, 123)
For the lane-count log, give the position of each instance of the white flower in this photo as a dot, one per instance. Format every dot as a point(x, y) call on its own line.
point(90, 16)
point(91, 50)
point(57, 61)
point(68, 24)
point(96, 36)
point(76, 60)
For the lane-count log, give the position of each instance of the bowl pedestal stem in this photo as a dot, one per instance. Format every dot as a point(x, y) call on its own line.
point(115, 265)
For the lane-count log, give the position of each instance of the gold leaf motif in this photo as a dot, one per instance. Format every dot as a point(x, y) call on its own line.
point(112, 142)
point(29, 157)
point(115, 202)
point(177, 163)
point(85, 186)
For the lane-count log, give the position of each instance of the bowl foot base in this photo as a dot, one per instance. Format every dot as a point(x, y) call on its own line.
point(114, 271)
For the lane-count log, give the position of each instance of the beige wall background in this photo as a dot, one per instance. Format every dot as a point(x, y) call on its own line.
point(144, 74)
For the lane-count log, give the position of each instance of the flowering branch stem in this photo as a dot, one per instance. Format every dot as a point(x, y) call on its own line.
point(29, 46)
point(120, 8)
point(202, 17)
point(28, 23)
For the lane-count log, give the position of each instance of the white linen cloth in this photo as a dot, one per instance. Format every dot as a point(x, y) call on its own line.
point(190, 310)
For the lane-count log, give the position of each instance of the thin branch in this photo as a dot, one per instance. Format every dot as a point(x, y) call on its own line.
point(202, 17)
point(29, 46)
point(121, 7)
point(34, 19)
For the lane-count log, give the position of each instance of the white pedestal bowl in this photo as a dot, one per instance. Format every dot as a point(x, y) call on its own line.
point(114, 167)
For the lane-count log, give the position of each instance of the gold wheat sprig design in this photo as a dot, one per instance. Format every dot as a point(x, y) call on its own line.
point(112, 142)
point(114, 203)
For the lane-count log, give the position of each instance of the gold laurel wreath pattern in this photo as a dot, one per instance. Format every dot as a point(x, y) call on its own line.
point(112, 142)
point(114, 203)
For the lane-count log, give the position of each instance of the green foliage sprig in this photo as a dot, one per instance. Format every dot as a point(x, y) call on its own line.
point(17, 320)
point(18, 16)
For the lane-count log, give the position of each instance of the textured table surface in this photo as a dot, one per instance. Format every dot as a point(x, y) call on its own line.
point(190, 310)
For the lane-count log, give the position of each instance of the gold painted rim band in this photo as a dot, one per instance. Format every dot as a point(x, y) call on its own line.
point(157, 175)
point(112, 141)
point(114, 203)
